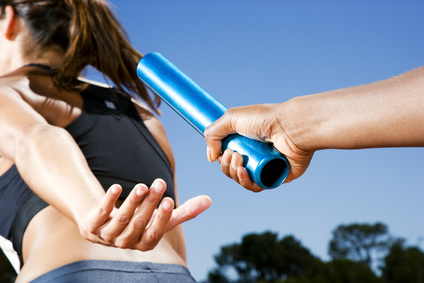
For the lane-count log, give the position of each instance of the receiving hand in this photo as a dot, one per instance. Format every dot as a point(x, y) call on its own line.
point(139, 223)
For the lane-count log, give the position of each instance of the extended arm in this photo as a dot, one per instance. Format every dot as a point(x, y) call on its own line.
point(46, 157)
point(54, 167)
point(388, 113)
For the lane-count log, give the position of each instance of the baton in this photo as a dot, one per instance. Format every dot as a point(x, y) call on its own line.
point(266, 166)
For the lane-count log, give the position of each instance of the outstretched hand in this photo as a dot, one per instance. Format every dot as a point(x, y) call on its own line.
point(139, 223)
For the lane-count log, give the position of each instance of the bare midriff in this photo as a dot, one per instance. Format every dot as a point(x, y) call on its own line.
point(51, 240)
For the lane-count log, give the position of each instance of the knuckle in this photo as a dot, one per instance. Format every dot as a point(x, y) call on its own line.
point(122, 243)
point(102, 212)
point(89, 228)
point(154, 238)
point(139, 223)
point(163, 216)
point(230, 111)
point(256, 189)
point(143, 248)
point(123, 219)
point(206, 134)
point(149, 242)
point(108, 237)
point(146, 247)
point(209, 136)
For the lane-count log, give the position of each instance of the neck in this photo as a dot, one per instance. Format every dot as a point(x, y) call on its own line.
point(52, 57)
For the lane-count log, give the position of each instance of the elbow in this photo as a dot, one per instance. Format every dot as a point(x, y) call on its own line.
point(37, 141)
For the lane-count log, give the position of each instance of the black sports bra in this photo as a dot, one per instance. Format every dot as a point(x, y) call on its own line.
point(117, 144)
point(118, 148)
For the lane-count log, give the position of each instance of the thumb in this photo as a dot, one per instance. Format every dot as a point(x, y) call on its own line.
point(189, 210)
point(215, 133)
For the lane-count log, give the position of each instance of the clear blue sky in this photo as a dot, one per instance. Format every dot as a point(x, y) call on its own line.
point(248, 52)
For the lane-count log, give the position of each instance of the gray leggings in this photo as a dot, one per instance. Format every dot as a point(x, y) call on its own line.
point(117, 271)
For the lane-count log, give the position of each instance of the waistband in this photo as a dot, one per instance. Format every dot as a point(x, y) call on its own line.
point(117, 271)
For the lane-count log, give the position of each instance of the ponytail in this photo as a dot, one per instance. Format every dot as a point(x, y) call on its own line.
point(96, 32)
point(89, 34)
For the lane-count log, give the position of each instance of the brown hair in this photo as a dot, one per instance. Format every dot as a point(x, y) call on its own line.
point(89, 34)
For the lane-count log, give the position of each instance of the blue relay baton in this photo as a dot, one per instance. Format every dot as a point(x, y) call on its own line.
point(266, 166)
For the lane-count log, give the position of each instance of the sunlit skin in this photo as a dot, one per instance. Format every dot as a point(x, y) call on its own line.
point(93, 223)
point(386, 113)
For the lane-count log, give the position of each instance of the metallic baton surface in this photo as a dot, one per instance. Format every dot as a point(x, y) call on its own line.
point(266, 165)
point(180, 92)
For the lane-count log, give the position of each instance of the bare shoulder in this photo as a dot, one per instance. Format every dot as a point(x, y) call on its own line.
point(28, 87)
point(17, 118)
point(12, 84)
point(156, 128)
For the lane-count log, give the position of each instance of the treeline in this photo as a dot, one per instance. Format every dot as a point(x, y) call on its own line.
point(360, 253)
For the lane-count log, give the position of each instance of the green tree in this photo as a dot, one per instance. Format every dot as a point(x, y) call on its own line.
point(337, 271)
point(216, 275)
point(359, 242)
point(263, 258)
point(403, 264)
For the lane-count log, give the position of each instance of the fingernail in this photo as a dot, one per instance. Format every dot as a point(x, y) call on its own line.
point(226, 159)
point(166, 205)
point(207, 201)
point(209, 154)
point(139, 192)
point(239, 174)
point(115, 189)
point(140, 189)
point(158, 186)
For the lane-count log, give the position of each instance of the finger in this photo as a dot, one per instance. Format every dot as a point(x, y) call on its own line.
point(132, 233)
point(155, 231)
point(246, 181)
point(219, 159)
point(232, 166)
point(124, 214)
point(226, 162)
point(215, 133)
point(236, 162)
point(211, 153)
point(239, 173)
point(189, 210)
point(102, 213)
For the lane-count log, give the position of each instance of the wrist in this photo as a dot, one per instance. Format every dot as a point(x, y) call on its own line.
point(301, 123)
point(85, 208)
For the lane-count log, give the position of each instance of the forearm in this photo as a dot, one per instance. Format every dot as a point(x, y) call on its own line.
point(55, 169)
point(388, 113)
